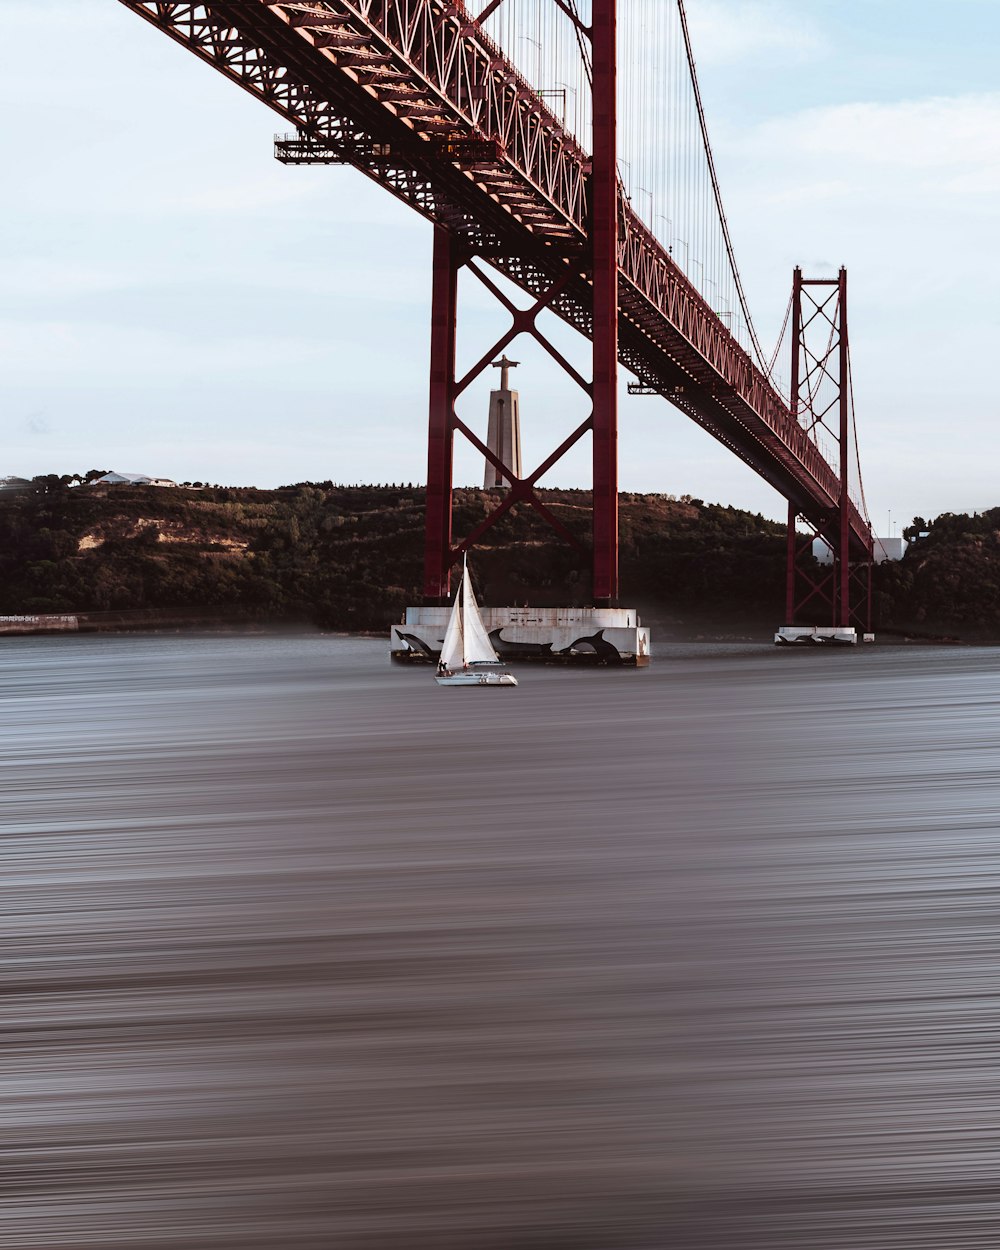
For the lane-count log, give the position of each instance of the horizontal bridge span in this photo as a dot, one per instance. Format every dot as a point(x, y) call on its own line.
point(416, 95)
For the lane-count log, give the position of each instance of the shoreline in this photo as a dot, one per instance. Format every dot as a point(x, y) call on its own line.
point(151, 620)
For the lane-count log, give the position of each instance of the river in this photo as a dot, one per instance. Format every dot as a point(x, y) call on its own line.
point(302, 952)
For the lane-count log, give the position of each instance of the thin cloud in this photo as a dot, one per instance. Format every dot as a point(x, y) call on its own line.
point(943, 132)
point(724, 32)
point(87, 350)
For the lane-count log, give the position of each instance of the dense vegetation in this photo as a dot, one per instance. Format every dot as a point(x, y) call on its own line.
point(350, 557)
point(949, 581)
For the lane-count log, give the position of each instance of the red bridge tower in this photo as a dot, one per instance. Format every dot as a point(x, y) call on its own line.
point(440, 551)
point(821, 400)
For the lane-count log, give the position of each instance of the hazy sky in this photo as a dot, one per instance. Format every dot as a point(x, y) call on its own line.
point(175, 302)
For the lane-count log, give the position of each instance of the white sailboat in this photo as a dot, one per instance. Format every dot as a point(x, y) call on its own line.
point(467, 645)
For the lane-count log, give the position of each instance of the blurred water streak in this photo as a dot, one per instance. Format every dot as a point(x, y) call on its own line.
point(302, 951)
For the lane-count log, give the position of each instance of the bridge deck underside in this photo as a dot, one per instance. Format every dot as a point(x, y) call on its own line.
point(416, 96)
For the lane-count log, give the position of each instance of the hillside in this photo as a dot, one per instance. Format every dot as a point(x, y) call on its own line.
point(351, 557)
point(949, 581)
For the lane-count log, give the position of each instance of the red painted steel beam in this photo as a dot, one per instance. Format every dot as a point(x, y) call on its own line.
point(440, 428)
point(844, 545)
point(793, 515)
point(790, 553)
point(523, 321)
point(604, 241)
point(521, 489)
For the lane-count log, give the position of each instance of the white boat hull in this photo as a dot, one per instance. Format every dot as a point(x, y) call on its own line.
point(477, 679)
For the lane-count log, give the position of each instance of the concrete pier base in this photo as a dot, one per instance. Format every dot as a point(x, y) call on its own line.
point(819, 635)
point(545, 635)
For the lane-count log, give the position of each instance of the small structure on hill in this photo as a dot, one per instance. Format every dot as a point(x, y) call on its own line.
point(885, 549)
point(132, 479)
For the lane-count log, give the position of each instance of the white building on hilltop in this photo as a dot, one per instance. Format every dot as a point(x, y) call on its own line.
point(132, 479)
point(885, 549)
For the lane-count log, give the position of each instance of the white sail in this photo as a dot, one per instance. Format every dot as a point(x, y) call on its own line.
point(452, 652)
point(467, 641)
point(478, 648)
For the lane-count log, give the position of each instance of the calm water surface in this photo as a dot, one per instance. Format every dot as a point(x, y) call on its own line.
point(301, 951)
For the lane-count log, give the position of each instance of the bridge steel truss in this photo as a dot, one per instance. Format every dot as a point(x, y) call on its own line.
point(418, 97)
point(821, 400)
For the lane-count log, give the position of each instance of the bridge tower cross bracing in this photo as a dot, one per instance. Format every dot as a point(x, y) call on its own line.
point(441, 554)
point(445, 387)
point(821, 402)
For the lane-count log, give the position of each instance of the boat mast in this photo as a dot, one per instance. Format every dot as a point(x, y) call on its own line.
point(465, 604)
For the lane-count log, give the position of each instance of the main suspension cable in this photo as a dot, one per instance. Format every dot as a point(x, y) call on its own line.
point(716, 191)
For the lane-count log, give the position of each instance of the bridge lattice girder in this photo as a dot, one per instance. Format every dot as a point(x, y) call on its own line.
point(414, 94)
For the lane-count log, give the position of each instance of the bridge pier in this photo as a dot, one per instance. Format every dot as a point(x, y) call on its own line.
point(451, 254)
point(440, 429)
point(604, 239)
point(820, 387)
point(824, 601)
point(441, 552)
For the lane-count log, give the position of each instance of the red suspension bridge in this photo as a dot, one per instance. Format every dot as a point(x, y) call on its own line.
point(547, 140)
